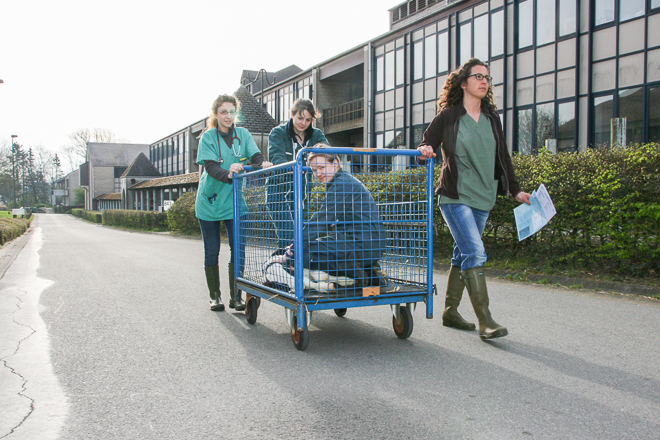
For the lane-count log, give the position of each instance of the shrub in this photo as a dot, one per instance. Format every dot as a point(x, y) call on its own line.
point(139, 220)
point(92, 216)
point(181, 215)
point(11, 228)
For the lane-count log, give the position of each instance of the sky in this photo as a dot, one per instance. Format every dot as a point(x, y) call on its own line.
point(145, 69)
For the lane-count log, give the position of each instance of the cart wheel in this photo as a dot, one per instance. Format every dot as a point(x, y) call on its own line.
point(404, 327)
point(300, 338)
point(251, 310)
point(340, 312)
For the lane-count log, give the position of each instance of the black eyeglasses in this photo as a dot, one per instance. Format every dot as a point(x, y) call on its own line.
point(481, 76)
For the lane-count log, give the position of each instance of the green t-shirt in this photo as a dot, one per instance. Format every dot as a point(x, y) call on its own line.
point(475, 161)
point(215, 199)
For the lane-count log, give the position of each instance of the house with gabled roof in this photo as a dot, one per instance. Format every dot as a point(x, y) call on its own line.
point(106, 162)
point(140, 170)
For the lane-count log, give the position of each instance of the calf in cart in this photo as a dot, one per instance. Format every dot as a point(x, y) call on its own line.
point(342, 241)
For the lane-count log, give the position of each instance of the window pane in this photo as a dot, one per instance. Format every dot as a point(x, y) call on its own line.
point(631, 8)
point(380, 73)
point(466, 43)
point(655, 3)
point(566, 127)
point(400, 67)
point(389, 139)
point(430, 53)
point(418, 134)
point(389, 70)
point(545, 21)
point(443, 52)
point(604, 12)
point(525, 131)
point(545, 124)
point(497, 34)
point(654, 113)
point(631, 106)
point(603, 112)
point(418, 57)
point(567, 17)
point(525, 36)
point(481, 37)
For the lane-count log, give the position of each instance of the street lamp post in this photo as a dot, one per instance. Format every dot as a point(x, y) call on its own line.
point(13, 166)
point(264, 76)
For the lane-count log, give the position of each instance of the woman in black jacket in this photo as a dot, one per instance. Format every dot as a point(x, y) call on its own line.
point(476, 168)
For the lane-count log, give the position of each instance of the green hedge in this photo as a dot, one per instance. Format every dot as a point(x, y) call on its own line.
point(11, 228)
point(92, 216)
point(139, 220)
point(607, 200)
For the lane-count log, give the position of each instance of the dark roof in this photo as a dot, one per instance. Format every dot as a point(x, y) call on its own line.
point(141, 167)
point(270, 78)
point(253, 116)
point(113, 196)
point(181, 179)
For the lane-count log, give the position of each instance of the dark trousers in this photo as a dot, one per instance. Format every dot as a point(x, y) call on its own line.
point(211, 237)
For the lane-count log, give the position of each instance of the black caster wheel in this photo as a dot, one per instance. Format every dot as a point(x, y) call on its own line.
point(300, 338)
point(340, 312)
point(251, 310)
point(404, 326)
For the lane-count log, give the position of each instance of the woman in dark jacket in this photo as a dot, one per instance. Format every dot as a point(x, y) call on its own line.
point(476, 168)
point(346, 235)
point(284, 143)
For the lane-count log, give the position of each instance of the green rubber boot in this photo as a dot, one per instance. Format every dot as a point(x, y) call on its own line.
point(455, 286)
point(235, 301)
point(475, 281)
point(213, 282)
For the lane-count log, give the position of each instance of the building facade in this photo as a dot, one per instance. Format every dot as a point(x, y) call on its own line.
point(564, 71)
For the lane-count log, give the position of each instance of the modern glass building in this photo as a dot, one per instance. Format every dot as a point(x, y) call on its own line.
point(563, 72)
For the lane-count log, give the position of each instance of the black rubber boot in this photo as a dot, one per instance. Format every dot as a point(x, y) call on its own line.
point(451, 317)
point(213, 282)
point(235, 301)
point(475, 281)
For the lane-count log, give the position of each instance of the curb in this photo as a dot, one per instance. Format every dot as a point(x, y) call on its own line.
point(567, 282)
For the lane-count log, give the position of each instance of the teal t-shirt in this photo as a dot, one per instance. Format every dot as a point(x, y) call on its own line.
point(475, 161)
point(215, 199)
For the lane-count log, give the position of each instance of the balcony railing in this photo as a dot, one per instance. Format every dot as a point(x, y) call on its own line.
point(348, 111)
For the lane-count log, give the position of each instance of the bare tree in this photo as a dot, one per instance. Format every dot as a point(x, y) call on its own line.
point(75, 152)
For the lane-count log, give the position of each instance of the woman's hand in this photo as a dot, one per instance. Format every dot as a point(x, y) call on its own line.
point(523, 197)
point(235, 168)
point(266, 164)
point(426, 150)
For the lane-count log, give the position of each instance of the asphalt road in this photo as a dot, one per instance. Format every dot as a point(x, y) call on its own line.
point(106, 334)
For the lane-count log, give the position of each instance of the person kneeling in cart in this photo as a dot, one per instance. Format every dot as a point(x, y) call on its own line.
point(344, 239)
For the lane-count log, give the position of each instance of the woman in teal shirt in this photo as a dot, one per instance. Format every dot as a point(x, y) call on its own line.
point(223, 150)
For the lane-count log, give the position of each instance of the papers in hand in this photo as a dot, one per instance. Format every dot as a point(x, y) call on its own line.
point(531, 218)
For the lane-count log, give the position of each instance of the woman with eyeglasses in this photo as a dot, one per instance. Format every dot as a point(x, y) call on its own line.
point(476, 168)
point(284, 143)
point(223, 150)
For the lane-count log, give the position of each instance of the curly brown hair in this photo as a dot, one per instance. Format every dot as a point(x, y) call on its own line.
point(452, 93)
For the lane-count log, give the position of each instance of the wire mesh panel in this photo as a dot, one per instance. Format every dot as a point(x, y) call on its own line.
point(338, 224)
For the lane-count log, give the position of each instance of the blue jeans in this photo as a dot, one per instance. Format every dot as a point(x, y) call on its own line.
point(211, 237)
point(467, 226)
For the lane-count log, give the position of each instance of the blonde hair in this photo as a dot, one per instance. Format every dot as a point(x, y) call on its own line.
point(332, 158)
point(211, 121)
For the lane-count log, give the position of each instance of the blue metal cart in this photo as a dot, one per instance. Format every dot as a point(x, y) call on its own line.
point(364, 240)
